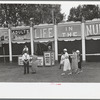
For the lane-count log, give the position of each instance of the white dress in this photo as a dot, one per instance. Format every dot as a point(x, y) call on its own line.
point(66, 62)
point(62, 60)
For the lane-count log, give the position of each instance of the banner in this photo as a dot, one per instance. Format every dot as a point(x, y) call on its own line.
point(68, 30)
point(20, 34)
point(4, 34)
point(92, 28)
point(44, 31)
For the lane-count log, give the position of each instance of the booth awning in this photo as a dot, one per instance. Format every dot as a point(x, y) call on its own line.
point(69, 39)
point(93, 38)
point(16, 41)
point(44, 40)
point(20, 41)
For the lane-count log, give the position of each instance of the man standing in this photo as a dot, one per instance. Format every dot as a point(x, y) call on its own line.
point(25, 59)
point(79, 60)
point(49, 48)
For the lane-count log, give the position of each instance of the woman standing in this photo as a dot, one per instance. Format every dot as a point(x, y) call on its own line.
point(66, 66)
point(74, 61)
point(62, 60)
point(34, 64)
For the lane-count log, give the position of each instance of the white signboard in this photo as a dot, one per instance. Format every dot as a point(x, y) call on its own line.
point(47, 58)
point(40, 61)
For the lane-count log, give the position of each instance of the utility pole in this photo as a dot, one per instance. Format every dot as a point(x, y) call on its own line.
point(53, 18)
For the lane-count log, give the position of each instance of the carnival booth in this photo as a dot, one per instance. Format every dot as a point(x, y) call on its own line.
point(84, 36)
point(20, 36)
point(92, 34)
point(4, 45)
point(69, 36)
point(44, 37)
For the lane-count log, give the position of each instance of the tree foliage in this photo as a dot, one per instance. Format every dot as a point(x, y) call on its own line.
point(22, 14)
point(89, 12)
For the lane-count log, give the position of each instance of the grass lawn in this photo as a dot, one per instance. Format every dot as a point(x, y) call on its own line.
point(14, 73)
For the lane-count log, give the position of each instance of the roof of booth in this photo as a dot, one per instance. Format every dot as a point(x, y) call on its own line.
point(20, 27)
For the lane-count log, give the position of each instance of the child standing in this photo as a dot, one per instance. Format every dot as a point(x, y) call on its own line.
point(79, 61)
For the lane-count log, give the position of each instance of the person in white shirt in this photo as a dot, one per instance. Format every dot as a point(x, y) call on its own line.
point(25, 59)
point(66, 67)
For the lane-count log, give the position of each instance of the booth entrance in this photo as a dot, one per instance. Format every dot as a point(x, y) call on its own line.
point(41, 50)
point(93, 50)
point(41, 47)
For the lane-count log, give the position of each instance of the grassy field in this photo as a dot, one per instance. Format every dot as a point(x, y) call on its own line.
point(14, 73)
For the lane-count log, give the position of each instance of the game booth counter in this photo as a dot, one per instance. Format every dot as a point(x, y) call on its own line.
point(40, 40)
point(43, 37)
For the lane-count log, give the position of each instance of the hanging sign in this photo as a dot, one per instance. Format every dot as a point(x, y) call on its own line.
point(46, 31)
point(4, 34)
point(20, 34)
point(69, 30)
point(92, 28)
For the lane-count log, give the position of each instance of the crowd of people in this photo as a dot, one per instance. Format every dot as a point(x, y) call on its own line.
point(71, 64)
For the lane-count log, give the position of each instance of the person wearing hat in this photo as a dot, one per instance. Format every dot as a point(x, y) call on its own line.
point(79, 60)
point(66, 66)
point(62, 60)
point(25, 50)
point(25, 59)
point(74, 61)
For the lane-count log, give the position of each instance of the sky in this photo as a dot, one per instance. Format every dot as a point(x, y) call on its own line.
point(66, 8)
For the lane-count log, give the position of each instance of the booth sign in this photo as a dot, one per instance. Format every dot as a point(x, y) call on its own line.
point(69, 30)
point(21, 34)
point(92, 28)
point(44, 32)
point(49, 59)
point(4, 34)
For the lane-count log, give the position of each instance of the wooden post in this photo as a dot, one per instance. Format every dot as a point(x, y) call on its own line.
point(10, 44)
point(55, 42)
point(31, 38)
point(83, 41)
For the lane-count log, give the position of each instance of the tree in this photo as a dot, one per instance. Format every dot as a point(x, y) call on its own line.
point(20, 14)
point(89, 12)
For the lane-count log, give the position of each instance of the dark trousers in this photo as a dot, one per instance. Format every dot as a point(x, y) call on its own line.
point(26, 68)
point(79, 65)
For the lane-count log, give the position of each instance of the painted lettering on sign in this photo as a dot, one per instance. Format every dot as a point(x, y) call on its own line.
point(93, 29)
point(69, 31)
point(44, 32)
point(21, 34)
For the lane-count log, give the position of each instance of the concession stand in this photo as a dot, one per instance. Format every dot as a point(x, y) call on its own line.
point(4, 45)
point(92, 34)
point(43, 37)
point(69, 36)
point(83, 36)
